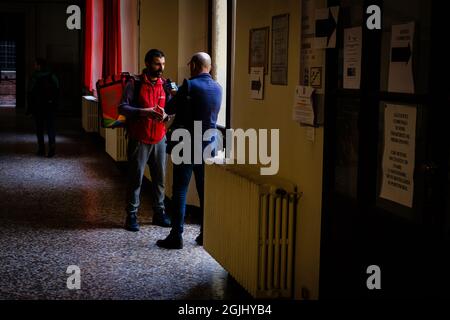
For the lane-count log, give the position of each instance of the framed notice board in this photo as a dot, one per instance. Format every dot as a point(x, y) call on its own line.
point(280, 49)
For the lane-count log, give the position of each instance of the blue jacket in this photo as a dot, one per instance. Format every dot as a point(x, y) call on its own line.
point(205, 98)
point(198, 99)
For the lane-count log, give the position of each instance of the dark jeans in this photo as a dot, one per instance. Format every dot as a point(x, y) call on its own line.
point(140, 154)
point(45, 120)
point(181, 177)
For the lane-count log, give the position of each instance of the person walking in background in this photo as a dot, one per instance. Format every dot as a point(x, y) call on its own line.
point(43, 96)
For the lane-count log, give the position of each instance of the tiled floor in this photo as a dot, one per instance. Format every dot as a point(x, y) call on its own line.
point(69, 211)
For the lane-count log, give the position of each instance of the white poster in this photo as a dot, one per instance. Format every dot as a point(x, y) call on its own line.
point(303, 106)
point(399, 154)
point(401, 77)
point(352, 58)
point(325, 28)
point(257, 83)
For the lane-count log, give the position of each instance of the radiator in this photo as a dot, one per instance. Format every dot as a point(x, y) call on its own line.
point(249, 228)
point(89, 114)
point(116, 144)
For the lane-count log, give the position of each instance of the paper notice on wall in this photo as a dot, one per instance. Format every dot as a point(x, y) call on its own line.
point(352, 58)
point(401, 78)
point(257, 83)
point(399, 154)
point(303, 111)
point(307, 55)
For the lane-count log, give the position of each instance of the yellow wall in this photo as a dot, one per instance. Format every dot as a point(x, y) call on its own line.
point(159, 29)
point(300, 160)
point(193, 33)
point(129, 29)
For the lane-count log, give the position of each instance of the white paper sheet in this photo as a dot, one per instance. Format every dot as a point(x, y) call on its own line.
point(303, 106)
point(401, 77)
point(399, 154)
point(257, 83)
point(352, 58)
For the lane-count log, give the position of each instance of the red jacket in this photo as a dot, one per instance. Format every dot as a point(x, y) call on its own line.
point(144, 129)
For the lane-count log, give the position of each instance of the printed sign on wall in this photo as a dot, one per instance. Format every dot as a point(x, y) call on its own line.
point(401, 78)
point(399, 154)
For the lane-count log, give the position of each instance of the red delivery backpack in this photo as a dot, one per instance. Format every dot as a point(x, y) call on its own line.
point(110, 92)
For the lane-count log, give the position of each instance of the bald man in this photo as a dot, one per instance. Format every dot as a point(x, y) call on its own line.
point(198, 99)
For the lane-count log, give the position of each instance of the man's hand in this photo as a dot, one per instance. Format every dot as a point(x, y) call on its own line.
point(160, 114)
point(146, 113)
point(156, 113)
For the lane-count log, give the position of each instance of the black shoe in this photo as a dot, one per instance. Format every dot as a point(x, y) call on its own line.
point(171, 242)
point(131, 223)
point(161, 219)
point(199, 239)
point(51, 153)
point(40, 152)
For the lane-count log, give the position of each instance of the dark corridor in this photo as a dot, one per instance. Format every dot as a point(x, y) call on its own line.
point(69, 210)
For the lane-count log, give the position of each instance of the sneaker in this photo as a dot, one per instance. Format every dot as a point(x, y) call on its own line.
point(161, 219)
point(171, 242)
point(199, 239)
point(131, 223)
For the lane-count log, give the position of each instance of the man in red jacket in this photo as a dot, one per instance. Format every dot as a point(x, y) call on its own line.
point(143, 105)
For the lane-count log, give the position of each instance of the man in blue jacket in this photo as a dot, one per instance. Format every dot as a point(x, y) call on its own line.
point(198, 99)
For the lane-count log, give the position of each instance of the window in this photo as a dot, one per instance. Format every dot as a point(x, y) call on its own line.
point(7, 73)
point(221, 46)
point(7, 56)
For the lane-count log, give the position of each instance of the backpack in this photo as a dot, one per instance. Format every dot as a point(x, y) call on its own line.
point(110, 91)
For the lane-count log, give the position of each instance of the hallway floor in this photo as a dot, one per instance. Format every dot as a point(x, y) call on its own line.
point(69, 210)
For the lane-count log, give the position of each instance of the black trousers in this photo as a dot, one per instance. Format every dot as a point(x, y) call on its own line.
point(45, 121)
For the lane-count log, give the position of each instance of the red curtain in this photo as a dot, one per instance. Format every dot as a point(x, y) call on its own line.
point(93, 46)
point(112, 53)
point(88, 31)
